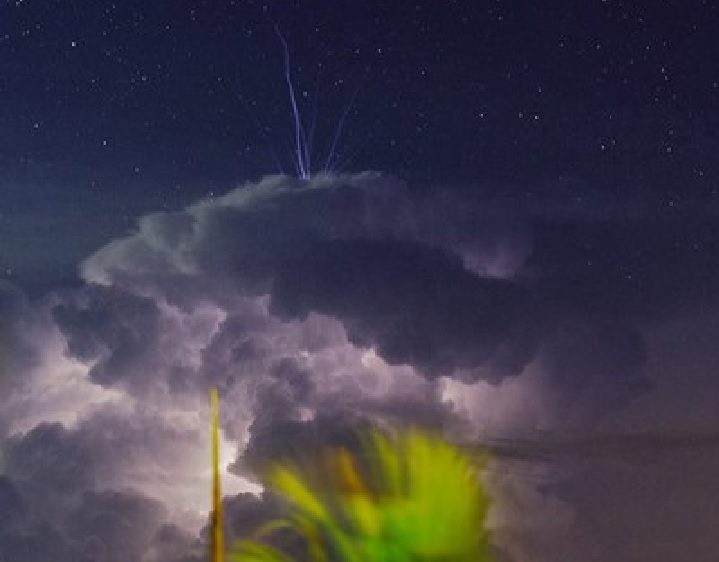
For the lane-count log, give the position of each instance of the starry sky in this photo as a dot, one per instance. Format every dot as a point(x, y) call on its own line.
point(515, 241)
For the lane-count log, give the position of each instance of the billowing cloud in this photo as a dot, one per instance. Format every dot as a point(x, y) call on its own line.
point(317, 306)
point(343, 247)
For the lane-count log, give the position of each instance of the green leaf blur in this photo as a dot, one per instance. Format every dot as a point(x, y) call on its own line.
point(401, 497)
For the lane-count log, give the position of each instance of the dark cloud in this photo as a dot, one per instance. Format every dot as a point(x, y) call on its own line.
point(173, 544)
point(113, 526)
point(319, 308)
point(282, 393)
point(53, 466)
point(245, 513)
point(415, 305)
point(358, 248)
point(446, 282)
point(115, 330)
point(98, 526)
point(66, 491)
point(288, 439)
point(43, 542)
point(11, 503)
point(242, 347)
point(60, 462)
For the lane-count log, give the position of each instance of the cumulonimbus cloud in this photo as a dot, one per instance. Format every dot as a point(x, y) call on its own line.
point(310, 304)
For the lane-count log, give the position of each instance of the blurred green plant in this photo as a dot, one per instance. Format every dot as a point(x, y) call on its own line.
point(401, 497)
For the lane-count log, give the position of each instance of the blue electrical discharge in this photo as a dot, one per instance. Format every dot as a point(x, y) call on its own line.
point(302, 149)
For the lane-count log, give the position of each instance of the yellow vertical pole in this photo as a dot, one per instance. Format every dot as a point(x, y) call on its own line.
point(217, 554)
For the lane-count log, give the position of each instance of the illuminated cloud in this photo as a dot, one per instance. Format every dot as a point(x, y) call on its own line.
point(313, 306)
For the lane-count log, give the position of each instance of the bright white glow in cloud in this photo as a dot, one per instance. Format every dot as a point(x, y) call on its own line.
point(56, 389)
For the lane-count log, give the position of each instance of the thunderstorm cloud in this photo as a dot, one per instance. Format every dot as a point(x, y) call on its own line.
point(318, 306)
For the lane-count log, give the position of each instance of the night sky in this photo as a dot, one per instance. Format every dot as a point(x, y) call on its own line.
point(511, 235)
